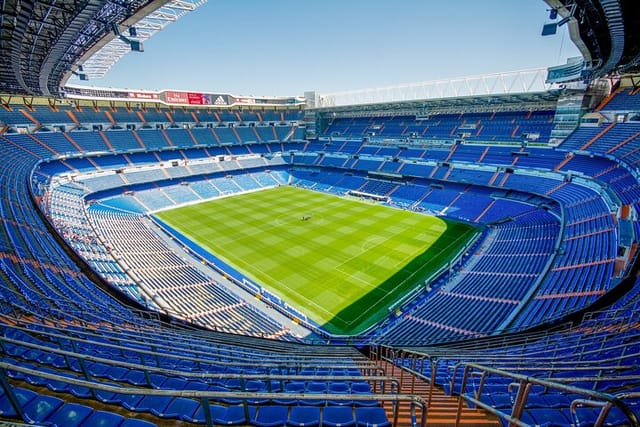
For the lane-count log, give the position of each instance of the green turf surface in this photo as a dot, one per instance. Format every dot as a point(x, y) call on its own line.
point(343, 266)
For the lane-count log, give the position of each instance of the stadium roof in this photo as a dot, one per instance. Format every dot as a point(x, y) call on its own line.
point(518, 86)
point(605, 32)
point(425, 107)
point(43, 42)
point(102, 57)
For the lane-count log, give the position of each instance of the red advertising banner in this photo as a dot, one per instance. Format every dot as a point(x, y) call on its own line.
point(172, 97)
point(194, 98)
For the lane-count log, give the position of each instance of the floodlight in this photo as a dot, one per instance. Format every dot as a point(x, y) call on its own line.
point(136, 46)
point(549, 29)
point(80, 75)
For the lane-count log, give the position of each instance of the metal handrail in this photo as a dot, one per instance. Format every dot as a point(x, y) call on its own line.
point(276, 362)
point(219, 337)
point(526, 360)
point(393, 382)
point(593, 398)
point(414, 400)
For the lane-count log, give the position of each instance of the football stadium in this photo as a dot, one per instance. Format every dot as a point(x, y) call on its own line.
point(458, 252)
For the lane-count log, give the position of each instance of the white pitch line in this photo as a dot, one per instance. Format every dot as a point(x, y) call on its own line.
point(398, 285)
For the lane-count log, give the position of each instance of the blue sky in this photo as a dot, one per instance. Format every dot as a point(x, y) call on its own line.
point(285, 47)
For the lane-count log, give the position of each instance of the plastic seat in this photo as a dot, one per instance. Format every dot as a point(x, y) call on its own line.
point(315, 387)
point(274, 386)
point(535, 400)
point(154, 404)
point(23, 396)
point(15, 374)
point(235, 415)
point(294, 387)
point(40, 408)
point(255, 386)
point(372, 417)
point(70, 415)
point(271, 416)
point(304, 416)
point(157, 380)
point(116, 373)
point(109, 396)
point(196, 385)
point(291, 387)
point(32, 354)
point(199, 416)
point(38, 380)
point(135, 377)
point(103, 419)
point(340, 388)
point(54, 360)
point(98, 369)
point(186, 365)
point(233, 383)
point(498, 400)
point(181, 408)
point(555, 400)
point(59, 386)
point(14, 349)
point(130, 401)
point(547, 417)
point(363, 388)
point(80, 391)
point(227, 400)
point(174, 384)
point(338, 416)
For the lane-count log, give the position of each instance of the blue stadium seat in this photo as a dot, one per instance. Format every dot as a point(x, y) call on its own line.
point(338, 416)
point(23, 396)
point(339, 388)
point(70, 415)
point(40, 408)
point(271, 416)
point(200, 417)
point(314, 387)
point(181, 408)
point(304, 416)
point(103, 419)
point(236, 415)
point(371, 417)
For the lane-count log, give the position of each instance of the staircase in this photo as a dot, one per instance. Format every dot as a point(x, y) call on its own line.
point(442, 410)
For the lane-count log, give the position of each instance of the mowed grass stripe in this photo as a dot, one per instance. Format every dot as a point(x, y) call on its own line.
point(343, 267)
point(372, 307)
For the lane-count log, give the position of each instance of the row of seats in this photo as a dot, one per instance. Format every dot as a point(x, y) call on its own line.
point(185, 375)
point(72, 116)
point(483, 126)
point(569, 374)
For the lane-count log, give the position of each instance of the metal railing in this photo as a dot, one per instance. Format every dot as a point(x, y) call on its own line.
point(417, 405)
point(592, 398)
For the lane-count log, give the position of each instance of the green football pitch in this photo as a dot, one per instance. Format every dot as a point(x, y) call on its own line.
point(339, 260)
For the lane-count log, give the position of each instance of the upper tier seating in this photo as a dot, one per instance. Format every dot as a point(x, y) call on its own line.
point(512, 126)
